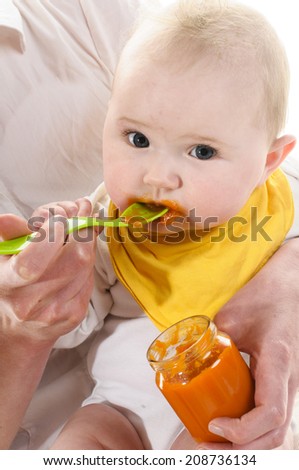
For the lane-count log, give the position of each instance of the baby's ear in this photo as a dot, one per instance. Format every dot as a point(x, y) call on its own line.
point(278, 151)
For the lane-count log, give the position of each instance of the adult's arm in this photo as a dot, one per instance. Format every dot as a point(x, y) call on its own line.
point(263, 320)
point(44, 293)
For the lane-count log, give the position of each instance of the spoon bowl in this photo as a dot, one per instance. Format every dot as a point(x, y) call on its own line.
point(137, 212)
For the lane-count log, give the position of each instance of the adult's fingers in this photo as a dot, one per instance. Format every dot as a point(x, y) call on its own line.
point(29, 265)
point(84, 207)
point(269, 415)
point(69, 270)
point(12, 226)
point(60, 317)
point(63, 208)
point(64, 277)
point(81, 206)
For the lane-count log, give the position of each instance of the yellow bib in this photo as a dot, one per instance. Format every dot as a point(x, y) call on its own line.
point(172, 281)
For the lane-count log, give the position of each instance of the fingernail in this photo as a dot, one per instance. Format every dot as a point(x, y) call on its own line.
point(216, 430)
point(26, 274)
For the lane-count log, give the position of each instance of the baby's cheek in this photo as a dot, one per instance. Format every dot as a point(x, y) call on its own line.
point(114, 192)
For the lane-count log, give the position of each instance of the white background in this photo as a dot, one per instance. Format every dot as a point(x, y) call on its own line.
point(283, 15)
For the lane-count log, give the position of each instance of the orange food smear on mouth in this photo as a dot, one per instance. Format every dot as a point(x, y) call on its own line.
point(174, 209)
point(169, 216)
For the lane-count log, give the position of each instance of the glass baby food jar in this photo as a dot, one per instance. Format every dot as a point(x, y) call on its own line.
point(202, 375)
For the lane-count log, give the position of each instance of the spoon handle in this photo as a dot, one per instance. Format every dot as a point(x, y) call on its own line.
point(14, 246)
point(139, 211)
point(77, 223)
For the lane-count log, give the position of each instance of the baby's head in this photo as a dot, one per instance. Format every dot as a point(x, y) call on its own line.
point(233, 36)
point(199, 99)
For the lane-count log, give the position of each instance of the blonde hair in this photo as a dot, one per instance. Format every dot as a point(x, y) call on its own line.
point(232, 33)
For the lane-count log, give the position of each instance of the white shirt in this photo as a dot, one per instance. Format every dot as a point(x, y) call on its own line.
point(57, 64)
point(11, 24)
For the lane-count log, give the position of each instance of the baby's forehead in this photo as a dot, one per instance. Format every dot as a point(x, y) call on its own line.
point(181, 49)
point(158, 83)
point(138, 60)
point(162, 80)
point(235, 38)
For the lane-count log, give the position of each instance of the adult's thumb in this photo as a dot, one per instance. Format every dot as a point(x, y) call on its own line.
point(12, 226)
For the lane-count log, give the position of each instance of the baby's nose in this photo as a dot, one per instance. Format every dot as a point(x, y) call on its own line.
point(162, 176)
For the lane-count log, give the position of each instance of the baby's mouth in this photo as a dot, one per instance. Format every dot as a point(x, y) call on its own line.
point(174, 210)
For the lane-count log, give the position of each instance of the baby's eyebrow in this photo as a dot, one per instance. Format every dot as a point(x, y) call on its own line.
point(135, 122)
point(195, 137)
point(202, 139)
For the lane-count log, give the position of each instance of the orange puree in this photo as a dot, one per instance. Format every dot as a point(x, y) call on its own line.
point(202, 375)
point(223, 389)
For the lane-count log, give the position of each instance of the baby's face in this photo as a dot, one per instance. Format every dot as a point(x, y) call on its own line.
point(188, 140)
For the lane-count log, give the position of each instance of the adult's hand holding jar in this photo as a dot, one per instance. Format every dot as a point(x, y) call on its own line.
point(270, 301)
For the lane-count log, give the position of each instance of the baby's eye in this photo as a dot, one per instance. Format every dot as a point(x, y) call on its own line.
point(138, 140)
point(203, 152)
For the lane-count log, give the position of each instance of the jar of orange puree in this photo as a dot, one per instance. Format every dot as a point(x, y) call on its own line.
point(202, 374)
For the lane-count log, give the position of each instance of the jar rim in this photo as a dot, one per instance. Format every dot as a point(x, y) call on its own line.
point(177, 355)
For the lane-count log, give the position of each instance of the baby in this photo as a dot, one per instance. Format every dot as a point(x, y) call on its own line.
point(194, 121)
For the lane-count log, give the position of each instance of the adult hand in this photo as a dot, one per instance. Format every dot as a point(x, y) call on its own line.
point(45, 289)
point(263, 320)
point(44, 293)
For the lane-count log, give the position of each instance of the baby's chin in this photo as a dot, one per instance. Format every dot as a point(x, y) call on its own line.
point(169, 227)
point(180, 227)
